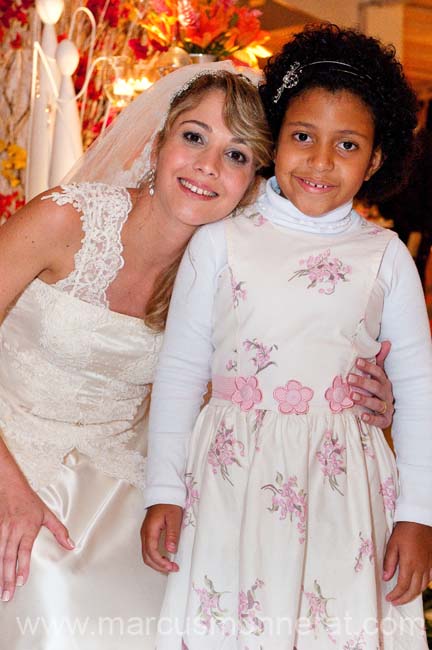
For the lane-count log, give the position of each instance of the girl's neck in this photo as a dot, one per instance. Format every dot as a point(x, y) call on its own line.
point(285, 213)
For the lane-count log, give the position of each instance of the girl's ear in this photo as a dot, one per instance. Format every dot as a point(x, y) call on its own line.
point(375, 163)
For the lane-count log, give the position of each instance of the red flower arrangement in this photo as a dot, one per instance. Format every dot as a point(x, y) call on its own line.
point(223, 28)
point(13, 15)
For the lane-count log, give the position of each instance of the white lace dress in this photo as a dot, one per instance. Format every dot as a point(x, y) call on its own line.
point(73, 380)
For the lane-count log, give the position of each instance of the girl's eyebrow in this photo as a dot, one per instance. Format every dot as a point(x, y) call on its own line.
point(350, 132)
point(308, 125)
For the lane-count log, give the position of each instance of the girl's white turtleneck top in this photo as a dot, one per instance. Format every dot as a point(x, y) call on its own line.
point(184, 366)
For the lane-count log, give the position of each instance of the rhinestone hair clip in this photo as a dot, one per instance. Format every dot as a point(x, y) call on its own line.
point(292, 77)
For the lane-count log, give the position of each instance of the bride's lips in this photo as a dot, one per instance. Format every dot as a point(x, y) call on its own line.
point(314, 186)
point(196, 190)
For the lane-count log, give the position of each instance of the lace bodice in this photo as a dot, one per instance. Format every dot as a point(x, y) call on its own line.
point(73, 374)
point(104, 210)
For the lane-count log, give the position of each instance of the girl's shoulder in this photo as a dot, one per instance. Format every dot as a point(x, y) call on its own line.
point(210, 237)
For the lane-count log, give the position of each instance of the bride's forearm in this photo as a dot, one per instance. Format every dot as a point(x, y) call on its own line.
point(10, 471)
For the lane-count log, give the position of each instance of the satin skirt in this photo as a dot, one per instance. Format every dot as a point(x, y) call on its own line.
point(100, 595)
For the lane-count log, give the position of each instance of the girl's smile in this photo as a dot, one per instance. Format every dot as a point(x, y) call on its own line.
point(325, 150)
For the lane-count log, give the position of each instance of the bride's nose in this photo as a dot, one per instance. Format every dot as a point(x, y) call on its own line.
point(208, 162)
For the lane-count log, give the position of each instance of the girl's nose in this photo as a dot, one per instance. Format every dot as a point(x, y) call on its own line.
point(321, 158)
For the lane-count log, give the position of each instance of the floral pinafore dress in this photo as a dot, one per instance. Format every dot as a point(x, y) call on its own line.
point(290, 496)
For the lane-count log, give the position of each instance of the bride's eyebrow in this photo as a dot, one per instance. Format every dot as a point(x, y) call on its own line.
point(203, 125)
point(208, 128)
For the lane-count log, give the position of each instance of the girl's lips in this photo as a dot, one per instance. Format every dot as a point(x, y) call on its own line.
point(314, 187)
point(196, 190)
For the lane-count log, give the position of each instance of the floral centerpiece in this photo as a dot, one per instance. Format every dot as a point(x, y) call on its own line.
point(222, 28)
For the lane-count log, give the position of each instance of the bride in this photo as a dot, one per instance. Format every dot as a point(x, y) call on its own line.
point(86, 275)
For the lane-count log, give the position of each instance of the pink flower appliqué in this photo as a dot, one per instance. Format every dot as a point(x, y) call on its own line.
point(338, 395)
point(293, 397)
point(247, 394)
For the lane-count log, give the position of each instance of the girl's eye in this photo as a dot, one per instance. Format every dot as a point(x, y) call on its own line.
point(193, 137)
point(302, 137)
point(348, 146)
point(237, 156)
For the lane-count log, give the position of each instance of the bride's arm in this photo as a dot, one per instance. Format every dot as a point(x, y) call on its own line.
point(34, 241)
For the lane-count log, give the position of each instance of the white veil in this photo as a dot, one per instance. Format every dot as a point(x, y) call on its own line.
point(121, 156)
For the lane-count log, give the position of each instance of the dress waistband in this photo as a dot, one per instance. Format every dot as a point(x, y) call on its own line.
point(290, 399)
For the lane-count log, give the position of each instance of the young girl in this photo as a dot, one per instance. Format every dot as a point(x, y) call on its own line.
point(290, 498)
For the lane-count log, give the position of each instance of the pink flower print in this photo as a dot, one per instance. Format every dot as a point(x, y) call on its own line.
point(388, 492)
point(222, 452)
point(356, 643)
point(293, 397)
point(257, 425)
point(286, 501)
point(209, 608)
point(365, 438)
point(261, 360)
point(238, 292)
point(366, 549)
point(323, 270)
point(331, 458)
point(231, 365)
point(338, 395)
point(317, 613)
point(247, 394)
point(260, 220)
point(192, 497)
point(248, 610)
point(256, 218)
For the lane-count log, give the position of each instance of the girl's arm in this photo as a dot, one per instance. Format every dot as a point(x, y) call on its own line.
point(32, 242)
point(184, 367)
point(180, 383)
point(409, 365)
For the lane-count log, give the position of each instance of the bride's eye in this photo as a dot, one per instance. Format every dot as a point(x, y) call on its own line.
point(237, 156)
point(193, 136)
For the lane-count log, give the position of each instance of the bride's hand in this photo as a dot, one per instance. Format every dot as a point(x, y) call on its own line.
point(22, 513)
point(379, 392)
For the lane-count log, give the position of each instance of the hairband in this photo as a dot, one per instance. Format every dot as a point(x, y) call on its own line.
point(292, 77)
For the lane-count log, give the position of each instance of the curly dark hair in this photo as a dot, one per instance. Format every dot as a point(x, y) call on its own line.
point(379, 81)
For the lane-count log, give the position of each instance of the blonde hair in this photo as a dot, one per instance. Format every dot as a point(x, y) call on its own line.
point(244, 116)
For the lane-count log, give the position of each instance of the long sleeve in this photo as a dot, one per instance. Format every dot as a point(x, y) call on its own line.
point(409, 366)
point(184, 365)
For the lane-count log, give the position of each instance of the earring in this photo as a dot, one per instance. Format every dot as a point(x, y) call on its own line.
point(151, 181)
